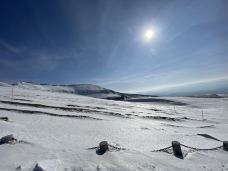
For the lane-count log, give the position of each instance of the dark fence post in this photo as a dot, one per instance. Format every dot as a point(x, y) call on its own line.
point(177, 149)
point(6, 139)
point(103, 146)
point(4, 118)
point(225, 145)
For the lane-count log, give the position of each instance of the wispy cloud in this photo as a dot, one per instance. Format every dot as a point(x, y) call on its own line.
point(32, 59)
point(179, 85)
point(5, 46)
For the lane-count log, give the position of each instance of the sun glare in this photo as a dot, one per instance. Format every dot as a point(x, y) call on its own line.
point(149, 34)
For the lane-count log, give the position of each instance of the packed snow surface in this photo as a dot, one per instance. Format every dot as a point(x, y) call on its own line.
point(55, 131)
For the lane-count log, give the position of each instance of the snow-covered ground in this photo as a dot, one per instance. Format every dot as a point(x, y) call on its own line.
point(55, 130)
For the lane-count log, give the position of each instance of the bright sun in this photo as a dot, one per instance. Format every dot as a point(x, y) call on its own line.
point(149, 34)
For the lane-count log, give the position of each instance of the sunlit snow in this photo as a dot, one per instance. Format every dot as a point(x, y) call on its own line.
point(61, 143)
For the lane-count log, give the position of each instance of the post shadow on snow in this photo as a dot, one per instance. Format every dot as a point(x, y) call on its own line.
point(100, 152)
point(179, 156)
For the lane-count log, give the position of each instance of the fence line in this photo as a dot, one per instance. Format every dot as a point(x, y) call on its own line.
point(193, 148)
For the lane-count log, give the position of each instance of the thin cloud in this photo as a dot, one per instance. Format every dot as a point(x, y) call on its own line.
point(164, 87)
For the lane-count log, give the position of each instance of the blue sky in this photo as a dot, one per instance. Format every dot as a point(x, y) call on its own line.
point(102, 42)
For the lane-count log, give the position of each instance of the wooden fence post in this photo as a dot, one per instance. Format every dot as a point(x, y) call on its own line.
point(225, 145)
point(177, 149)
point(103, 146)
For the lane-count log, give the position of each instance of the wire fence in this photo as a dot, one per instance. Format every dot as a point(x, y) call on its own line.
point(192, 148)
point(175, 145)
point(114, 148)
point(111, 148)
point(201, 149)
point(162, 149)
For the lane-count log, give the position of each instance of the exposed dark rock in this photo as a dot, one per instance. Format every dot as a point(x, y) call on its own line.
point(7, 139)
point(4, 118)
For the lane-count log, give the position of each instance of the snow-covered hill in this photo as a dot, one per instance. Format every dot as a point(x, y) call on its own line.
point(57, 132)
point(4, 84)
point(80, 89)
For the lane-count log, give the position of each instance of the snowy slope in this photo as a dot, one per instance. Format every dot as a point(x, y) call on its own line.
point(4, 84)
point(81, 89)
point(56, 129)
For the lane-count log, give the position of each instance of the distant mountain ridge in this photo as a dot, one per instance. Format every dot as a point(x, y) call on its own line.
point(210, 96)
point(80, 89)
point(97, 91)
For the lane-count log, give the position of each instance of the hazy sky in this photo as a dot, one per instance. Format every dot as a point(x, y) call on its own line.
point(103, 42)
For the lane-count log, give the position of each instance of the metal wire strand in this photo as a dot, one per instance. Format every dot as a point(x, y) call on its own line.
point(92, 148)
point(114, 148)
point(162, 149)
point(198, 149)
